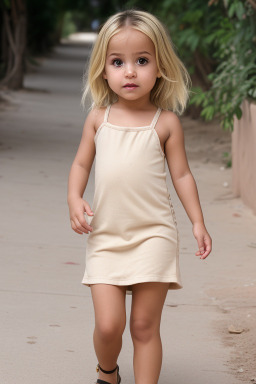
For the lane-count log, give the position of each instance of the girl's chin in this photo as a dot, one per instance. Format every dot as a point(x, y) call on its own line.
point(133, 96)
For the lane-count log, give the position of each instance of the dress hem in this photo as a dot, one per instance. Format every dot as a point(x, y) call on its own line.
point(174, 283)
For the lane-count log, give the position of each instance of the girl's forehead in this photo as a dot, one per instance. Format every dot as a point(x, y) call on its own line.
point(130, 38)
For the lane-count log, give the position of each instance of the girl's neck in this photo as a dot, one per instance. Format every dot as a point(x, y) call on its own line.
point(139, 105)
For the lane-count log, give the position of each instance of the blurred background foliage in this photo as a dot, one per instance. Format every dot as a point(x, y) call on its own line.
point(216, 40)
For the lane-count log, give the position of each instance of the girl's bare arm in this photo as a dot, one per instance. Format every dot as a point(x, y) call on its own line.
point(184, 182)
point(79, 175)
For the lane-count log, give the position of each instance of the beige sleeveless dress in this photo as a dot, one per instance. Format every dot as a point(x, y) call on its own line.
point(135, 237)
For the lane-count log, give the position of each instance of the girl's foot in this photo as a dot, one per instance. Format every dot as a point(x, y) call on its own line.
point(111, 378)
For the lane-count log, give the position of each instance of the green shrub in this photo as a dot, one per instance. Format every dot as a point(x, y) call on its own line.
point(217, 42)
point(234, 79)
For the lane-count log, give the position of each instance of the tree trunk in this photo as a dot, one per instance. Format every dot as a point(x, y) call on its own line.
point(203, 68)
point(15, 26)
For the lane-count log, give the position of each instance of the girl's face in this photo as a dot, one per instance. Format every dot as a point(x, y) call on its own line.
point(131, 68)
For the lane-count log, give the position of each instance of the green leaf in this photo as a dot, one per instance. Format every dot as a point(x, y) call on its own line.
point(252, 93)
point(208, 112)
point(209, 39)
point(238, 113)
point(7, 3)
point(198, 96)
point(240, 11)
point(232, 10)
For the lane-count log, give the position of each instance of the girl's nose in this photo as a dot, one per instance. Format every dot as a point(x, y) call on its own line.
point(130, 71)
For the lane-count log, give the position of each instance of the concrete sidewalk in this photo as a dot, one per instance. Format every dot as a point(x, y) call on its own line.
point(47, 317)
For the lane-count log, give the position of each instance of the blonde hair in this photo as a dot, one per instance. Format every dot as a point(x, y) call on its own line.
point(170, 91)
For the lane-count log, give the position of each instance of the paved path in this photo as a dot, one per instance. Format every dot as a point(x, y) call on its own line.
point(47, 317)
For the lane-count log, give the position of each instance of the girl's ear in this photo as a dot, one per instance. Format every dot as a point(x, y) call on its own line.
point(104, 75)
point(158, 74)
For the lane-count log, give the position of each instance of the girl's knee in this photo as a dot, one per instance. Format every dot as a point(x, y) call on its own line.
point(109, 330)
point(143, 329)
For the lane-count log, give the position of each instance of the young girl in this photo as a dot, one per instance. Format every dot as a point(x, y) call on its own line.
point(138, 84)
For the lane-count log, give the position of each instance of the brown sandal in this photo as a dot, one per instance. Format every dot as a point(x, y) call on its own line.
point(99, 381)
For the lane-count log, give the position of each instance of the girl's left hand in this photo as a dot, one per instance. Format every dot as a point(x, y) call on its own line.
point(203, 239)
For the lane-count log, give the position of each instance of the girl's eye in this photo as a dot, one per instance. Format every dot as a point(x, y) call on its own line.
point(117, 62)
point(142, 61)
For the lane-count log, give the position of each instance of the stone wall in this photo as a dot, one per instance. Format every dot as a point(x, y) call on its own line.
point(244, 156)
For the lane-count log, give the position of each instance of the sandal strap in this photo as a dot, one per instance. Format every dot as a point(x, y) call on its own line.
point(103, 370)
point(99, 381)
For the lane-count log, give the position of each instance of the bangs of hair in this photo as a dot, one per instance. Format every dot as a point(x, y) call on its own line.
point(171, 90)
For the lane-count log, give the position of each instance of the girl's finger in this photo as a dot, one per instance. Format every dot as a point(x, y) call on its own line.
point(85, 225)
point(207, 251)
point(200, 242)
point(79, 226)
point(87, 208)
point(86, 221)
point(74, 228)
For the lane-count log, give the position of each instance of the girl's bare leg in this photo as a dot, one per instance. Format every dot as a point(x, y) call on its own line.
point(147, 304)
point(110, 320)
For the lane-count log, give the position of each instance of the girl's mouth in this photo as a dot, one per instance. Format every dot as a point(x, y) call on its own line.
point(130, 86)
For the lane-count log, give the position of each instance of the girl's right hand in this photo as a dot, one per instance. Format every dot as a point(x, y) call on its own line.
point(77, 207)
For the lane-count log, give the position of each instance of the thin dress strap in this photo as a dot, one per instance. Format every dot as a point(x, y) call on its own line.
point(106, 114)
point(154, 121)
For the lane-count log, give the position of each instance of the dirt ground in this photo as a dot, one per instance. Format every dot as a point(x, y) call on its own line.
point(207, 143)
